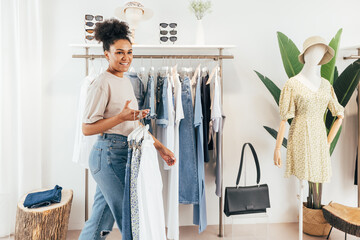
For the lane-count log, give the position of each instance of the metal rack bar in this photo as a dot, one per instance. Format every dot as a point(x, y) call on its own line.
point(221, 216)
point(215, 57)
point(219, 58)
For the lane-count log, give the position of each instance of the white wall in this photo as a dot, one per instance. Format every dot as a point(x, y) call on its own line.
point(252, 26)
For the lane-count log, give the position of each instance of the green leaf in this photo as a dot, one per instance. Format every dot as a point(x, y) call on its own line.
point(334, 142)
point(344, 87)
point(270, 85)
point(336, 75)
point(347, 82)
point(327, 70)
point(274, 133)
point(289, 54)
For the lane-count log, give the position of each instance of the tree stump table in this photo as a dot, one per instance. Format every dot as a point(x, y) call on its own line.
point(346, 219)
point(45, 223)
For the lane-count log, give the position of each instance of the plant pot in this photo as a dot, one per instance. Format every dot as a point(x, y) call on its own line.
point(314, 222)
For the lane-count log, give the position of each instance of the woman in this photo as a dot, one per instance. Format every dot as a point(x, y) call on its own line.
point(112, 110)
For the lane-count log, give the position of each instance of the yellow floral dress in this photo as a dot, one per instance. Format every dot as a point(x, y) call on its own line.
point(308, 156)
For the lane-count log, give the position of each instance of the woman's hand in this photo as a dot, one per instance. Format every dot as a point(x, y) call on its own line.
point(277, 157)
point(128, 114)
point(167, 155)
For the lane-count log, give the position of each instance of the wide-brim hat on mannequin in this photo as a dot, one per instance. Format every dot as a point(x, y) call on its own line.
point(315, 40)
point(120, 11)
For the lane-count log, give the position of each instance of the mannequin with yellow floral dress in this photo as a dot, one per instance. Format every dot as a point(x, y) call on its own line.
point(305, 98)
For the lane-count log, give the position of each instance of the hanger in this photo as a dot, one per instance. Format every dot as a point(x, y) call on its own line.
point(212, 74)
point(141, 133)
point(133, 133)
point(193, 79)
point(132, 70)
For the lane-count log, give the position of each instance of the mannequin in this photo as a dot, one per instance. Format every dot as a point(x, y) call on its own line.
point(310, 77)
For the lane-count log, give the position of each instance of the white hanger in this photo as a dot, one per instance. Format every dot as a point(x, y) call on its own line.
point(193, 79)
point(133, 133)
point(141, 133)
point(132, 70)
point(212, 74)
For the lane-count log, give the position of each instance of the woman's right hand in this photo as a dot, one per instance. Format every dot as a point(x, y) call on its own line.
point(277, 157)
point(128, 114)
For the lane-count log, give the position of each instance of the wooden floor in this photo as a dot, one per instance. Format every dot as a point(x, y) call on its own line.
point(275, 231)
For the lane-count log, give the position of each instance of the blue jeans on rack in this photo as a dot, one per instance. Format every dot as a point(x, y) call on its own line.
point(138, 87)
point(149, 102)
point(107, 165)
point(161, 102)
point(188, 170)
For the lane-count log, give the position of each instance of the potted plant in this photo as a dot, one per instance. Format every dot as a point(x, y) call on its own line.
point(344, 86)
point(200, 8)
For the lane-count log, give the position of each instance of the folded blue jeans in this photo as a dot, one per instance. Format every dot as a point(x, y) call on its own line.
point(43, 199)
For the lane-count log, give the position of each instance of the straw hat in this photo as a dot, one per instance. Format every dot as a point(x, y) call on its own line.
point(315, 40)
point(120, 11)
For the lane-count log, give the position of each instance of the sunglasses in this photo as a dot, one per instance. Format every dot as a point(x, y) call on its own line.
point(89, 37)
point(165, 25)
point(90, 30)
point(89, 17)
point(165, 32)
point(165, 39)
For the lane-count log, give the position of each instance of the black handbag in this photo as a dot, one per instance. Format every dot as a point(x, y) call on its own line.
point(247, 199)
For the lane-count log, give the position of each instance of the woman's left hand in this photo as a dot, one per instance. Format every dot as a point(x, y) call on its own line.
point(167, 155)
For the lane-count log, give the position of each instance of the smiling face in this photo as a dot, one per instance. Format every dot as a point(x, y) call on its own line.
point(119, 56)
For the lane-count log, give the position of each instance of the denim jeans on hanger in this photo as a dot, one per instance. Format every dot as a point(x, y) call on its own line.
point(107, 165)
point(138, 86)
point(188, 170)
point(162, 116)
point(149, 102)
point(126, 220)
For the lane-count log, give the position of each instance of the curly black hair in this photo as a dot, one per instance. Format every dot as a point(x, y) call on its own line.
point(110, 31)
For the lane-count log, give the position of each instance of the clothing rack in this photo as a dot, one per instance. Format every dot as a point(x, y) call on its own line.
point(358, 157)
point(216, 57)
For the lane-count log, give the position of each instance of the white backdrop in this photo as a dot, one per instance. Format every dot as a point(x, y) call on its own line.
point(252, 26)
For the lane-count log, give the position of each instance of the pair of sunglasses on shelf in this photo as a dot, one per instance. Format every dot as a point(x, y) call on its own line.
point(89, 17)
point(166, 32)
point(165, 39)
point(171, 25)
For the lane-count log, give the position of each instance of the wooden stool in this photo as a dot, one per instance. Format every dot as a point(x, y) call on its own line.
point(346, 219)
point(45, 223)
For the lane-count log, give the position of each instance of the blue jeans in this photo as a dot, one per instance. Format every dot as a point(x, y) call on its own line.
point(149, 102)
point(126, 221)
point(107, 165)
point(138, 87)
point(188, 171)
point(161, 102)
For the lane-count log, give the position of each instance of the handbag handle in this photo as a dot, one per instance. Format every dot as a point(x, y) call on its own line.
point(242, 160)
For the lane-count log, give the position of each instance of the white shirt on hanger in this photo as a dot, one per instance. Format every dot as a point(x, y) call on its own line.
point(83, 144)
point(216, 111)
point(169, 130)
point(150, 198)
point(173, 176)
